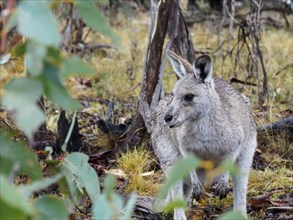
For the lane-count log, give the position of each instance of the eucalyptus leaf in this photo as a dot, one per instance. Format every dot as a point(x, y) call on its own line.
point(109, 185)
point(35, 54)
point(29, 189)
point(74, 65)
point(10, 212)
point(231, 167)
point(175, 204)
point(232, 215)
point(12, 153)
point(36, 21)
point(12, 197)
point(102, 209)
point(55, 89)
point(20, 97)
point(77, 169)
point(94, 19)
point(129, 207)
point(50, 208)
point(179, 172)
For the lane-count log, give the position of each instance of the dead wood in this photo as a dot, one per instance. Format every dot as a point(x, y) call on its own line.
point(280, 127)
point(74, 143)
point(93, 46)
point(160, 13)
point(235, 80)
point(181, 41)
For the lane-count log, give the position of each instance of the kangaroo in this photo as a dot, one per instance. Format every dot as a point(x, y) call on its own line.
point(207, 117)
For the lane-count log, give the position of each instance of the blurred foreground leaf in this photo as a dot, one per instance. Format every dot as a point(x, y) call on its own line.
point(34, 57)
point(19, 155)
point(175, 204)
point(36, 21)
point(12, 199)
point(102, 209)
point(50, 208)
point(74, 65)
point(93, 18)
point(232, 215)
point(20, 97)
point(55, 89)
point(179, 172)
point(29, 189)
point(231, 167)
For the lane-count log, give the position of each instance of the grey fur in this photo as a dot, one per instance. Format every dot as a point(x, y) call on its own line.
point(217, 125)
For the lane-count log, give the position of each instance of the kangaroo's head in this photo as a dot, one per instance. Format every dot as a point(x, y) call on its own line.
point(192, 92)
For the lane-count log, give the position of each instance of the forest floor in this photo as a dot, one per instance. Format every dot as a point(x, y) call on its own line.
point(112, 94)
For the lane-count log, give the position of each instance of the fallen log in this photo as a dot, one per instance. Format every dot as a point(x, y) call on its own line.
point(280, 127)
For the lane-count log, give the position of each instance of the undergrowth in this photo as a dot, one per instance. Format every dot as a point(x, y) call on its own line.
point(118, 76)
point(137, 165)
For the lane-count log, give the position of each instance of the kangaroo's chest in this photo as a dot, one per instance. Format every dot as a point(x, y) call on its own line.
point(214, 145)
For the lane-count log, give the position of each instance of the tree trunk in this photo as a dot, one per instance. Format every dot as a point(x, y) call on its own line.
point(160, 13)
point(166, 17)
point(181, 41)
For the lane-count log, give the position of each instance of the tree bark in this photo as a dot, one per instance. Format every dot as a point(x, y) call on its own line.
point(160, 13)
point(280, 127)
point(181, 41)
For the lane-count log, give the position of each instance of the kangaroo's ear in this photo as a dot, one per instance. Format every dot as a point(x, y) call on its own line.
point(203, 68)
point(181, 66)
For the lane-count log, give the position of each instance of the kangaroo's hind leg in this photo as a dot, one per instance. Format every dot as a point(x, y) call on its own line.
point(243, 161)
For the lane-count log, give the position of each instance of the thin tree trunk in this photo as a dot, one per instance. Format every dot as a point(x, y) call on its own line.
point(160, 13)
point(181, 41)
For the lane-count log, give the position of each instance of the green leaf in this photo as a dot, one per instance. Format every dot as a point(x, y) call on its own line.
point(175, 204)
point(102, 209)
point(8, 212)
point(50, 208)
point(36, 21)
point(20, 97)
point(129, 207)
point(231, 167)
point(55, 89)
point(179, 172)
point(76, 169)
point(20, 49)
point(64, 146)
point(34, 57)
point(109, 185)
point(232, 215)
point(19, 155)
point(74, 65)
point(12, 197)
point(93, 18)
point(29, 189)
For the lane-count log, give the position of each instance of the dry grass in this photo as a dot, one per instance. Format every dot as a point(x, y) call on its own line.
point(119, 73)
point(137, 164)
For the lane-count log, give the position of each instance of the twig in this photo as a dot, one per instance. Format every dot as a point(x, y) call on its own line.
point(284, 68)
point(99, 45)
point(235, 80)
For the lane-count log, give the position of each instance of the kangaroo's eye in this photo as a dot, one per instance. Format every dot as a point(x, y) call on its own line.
point(188, 97)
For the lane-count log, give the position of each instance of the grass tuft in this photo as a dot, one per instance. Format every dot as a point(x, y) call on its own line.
point(137, 164)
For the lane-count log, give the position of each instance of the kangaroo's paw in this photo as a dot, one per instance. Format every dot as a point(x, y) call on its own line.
point(198, 191)
point(221, 189)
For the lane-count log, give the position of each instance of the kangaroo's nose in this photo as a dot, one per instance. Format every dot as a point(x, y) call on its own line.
point(168, 118)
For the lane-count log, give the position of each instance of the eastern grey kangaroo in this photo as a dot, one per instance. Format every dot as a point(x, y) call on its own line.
point(207, 117)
